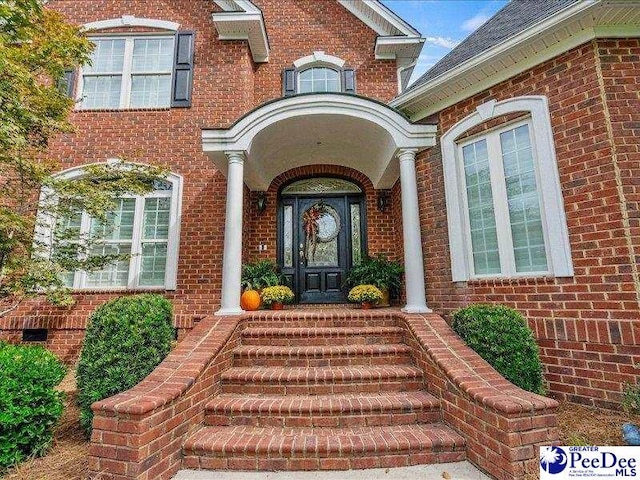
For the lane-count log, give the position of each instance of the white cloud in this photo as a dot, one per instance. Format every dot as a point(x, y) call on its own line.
point(445, 42)
point(474, 22)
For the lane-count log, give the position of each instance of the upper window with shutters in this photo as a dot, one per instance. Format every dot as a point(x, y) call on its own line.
point(137, 72)
point(318, 73)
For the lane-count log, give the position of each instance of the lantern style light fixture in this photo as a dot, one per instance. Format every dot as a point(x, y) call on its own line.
point(262, 201)
point(384, 200)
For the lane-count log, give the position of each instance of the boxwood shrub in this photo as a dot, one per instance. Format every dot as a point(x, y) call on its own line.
point(126, 339)
point(29, 405)
point(501, 336)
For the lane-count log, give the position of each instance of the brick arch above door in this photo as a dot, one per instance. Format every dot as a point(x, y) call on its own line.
point(261, 229)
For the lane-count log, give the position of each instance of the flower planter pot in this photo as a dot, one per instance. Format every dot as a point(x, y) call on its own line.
point(385, 302)
point(366, 306)
point(277, 306)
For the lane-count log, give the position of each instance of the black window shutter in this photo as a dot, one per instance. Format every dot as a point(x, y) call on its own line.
point(67, 82)
point(183, 70)
point(349, 80)
point(289, 82)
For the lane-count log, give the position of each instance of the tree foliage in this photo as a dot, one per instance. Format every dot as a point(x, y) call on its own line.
point(36, 47)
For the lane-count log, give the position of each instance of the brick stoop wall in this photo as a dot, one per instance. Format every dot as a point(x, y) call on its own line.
point(283, 390)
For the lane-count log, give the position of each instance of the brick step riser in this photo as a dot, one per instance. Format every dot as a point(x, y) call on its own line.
point(366, 419)
point(317, 341)
point(323, 388)
point(400, 459)
point(338, 361)
point(323, 322)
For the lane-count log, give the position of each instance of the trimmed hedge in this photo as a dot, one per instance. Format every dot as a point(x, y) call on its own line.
point(501, 336)
point(29, 405)
point(126, 339)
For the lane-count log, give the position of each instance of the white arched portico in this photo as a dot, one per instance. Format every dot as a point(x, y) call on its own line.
point(336, 129)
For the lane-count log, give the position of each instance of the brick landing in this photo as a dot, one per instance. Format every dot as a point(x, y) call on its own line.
point(320, 389)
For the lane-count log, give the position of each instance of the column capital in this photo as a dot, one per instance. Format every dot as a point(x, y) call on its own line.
point(407, 154)
point(235, 156)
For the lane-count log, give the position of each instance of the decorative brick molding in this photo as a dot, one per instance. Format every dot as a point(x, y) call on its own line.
point(140, 434)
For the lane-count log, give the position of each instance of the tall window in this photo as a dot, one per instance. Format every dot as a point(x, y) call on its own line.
point(141, 230)
point(504, 220)
point(319, 79)
point(128, 72)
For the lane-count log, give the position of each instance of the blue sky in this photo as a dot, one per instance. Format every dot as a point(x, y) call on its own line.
point(443, 23)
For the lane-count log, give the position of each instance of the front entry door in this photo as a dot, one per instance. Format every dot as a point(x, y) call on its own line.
point(320, 236)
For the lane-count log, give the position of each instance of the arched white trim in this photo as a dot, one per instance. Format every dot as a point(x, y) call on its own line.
point(241, 134)
point(319, 59)
point(45, 225)
point(551, 194)
point(131, 21)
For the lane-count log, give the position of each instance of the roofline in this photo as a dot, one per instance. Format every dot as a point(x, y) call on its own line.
point(413, 95)
point(385, 12)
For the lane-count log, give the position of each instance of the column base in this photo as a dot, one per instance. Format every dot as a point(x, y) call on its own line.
point(229, 312)
point(416, 309)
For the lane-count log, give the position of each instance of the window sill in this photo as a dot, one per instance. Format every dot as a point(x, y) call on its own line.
point(112, 110)
point(97, 290)
point(519, 280)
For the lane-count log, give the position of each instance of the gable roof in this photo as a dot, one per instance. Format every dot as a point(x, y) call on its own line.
point(514, 17)
point(522, 35)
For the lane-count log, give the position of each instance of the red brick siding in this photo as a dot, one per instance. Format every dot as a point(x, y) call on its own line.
point(227, 84)
point(585, 324)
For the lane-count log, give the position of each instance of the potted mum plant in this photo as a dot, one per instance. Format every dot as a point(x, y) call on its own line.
point(276, 296)
point(379, 271)
point(255, 277)
point(365, 295)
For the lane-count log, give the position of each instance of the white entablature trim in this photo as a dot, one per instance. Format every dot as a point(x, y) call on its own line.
point(319, 128)
point(537, 107)
point(318, 58)
point(131, 21)
point(242, 20)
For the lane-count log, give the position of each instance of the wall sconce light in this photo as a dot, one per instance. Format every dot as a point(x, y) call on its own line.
point(384, 200)
point(262, 201)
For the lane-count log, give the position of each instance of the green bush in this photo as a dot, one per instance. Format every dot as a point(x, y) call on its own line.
point(126, 339)
point(29, 405)
point(501, 336)
point(631, 398)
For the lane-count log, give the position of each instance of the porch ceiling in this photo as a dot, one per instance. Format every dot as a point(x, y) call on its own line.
point(313, 129)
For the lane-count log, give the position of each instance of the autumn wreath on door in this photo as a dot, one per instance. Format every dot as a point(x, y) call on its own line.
point(321, 225)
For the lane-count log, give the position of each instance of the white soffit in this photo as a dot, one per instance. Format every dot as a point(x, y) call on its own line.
point(557, 34)
point(242, 20)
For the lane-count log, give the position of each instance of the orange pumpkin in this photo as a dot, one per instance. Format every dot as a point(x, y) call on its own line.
point(250, 300)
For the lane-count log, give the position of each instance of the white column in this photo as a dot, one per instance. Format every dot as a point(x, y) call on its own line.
point(413, 260)
point(232, 255)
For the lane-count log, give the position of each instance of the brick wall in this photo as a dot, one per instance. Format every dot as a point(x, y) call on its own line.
point(227, 84)
point(587, 325)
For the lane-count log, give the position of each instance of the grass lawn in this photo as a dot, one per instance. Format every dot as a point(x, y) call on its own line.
point(67, 459)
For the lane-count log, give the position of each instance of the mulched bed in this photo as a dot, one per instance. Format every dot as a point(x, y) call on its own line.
point(67, 459)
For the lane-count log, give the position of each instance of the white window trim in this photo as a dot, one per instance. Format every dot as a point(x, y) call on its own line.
point(551, 201)
point(127, 71)
point(132, 21)
point(319, 65)
point(44, 234)
point(318, 59)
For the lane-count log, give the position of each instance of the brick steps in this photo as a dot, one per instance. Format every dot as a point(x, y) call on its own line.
point(319, 356)
point(324, 319)
point(321, 380)
point(273, 448)
point(304, 336)
point(324, 410)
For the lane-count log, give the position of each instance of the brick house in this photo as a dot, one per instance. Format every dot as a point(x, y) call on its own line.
point(507, 174)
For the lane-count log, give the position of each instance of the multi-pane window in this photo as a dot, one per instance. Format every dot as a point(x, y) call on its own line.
point(128, 72)
point(319, 79)
point(502, 198)
point(138, 234)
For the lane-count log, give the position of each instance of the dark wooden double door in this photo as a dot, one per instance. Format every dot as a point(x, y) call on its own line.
point(319, 239)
